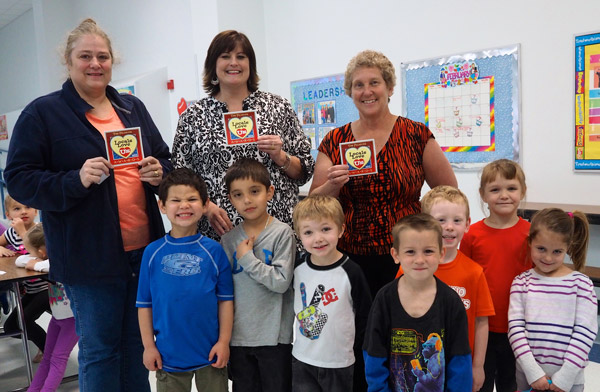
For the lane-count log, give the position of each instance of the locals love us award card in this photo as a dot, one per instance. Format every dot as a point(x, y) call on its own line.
point(124, 146)
point(240, 127)
point(360, 157)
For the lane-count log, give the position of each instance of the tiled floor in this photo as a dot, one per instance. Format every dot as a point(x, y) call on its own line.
point(13, 374)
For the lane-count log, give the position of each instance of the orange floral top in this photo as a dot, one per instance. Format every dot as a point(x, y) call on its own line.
point(374, 203)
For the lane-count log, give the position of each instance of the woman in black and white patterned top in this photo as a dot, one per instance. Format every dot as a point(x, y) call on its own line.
point(231, 80)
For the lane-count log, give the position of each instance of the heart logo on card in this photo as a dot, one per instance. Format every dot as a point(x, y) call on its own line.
point(123, 146)
point(241, 127)
point(358, 157)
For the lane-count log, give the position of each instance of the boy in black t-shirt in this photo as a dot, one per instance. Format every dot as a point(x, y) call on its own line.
point(417, 334)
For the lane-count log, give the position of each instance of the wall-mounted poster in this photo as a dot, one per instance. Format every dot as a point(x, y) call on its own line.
point(322, 105)
point(3, 128)
point(587, 102)
point(469, 101)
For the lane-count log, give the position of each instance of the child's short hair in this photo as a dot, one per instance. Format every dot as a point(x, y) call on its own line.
point(182, 176)
point(419, 222)
point(247, 168)
point(504, 167)
point(318, 207)
point(35, 236)
point(572, 226)
point(447, 193)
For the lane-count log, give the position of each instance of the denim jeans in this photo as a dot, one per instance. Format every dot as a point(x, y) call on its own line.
point(110, 345)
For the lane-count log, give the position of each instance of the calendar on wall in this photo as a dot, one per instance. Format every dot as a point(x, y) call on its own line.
point(469, 101)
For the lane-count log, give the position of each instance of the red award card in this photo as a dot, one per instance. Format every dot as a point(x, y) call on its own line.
point(360, 157)
point(240, 127)
point(124, 146)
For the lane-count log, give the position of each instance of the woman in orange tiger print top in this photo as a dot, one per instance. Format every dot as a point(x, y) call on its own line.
point(407, 156)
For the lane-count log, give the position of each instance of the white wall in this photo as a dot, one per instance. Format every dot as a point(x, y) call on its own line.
point(18, 57)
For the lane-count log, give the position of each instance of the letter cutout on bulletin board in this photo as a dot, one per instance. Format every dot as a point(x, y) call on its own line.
point(587, 102)
point(321, 105)
point(469, 101)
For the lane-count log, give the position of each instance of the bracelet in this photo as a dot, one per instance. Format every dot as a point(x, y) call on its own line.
point(287, 164)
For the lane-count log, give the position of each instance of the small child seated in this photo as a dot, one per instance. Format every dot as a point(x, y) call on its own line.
point(61, 329)
point(332, 324)
point(450, 207)
point(262, 252)
point(417, 334)
point(35, 300)
point(185, 294)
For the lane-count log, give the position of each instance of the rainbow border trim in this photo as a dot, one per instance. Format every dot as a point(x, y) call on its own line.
point(492, 146)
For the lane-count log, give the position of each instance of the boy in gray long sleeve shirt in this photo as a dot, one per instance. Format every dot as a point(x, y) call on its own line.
point(262, 251)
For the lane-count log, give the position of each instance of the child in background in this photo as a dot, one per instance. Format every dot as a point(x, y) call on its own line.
point(185, 294)
point(35, 300)
point(61, 337)
point(262, 251)
point(333, 323)
point(498, 244)
point(450, 207)
point(417, 335)
point(552, 315)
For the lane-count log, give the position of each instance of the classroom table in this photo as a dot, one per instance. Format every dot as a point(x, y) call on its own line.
point(15, 275)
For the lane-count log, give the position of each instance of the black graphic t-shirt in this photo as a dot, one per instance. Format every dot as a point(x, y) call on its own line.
point(418, 350)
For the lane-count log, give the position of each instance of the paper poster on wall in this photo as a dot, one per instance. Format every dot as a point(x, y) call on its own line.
point(322, 105)
point(3, 128)
point(469, 101)
point(587, 102)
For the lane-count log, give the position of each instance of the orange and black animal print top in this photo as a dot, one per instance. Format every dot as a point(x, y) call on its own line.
point(374, 203)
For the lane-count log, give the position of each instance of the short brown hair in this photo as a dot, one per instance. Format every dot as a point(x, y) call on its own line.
point(370, 58)
point(87, 27)
point(418, 222)
point(225, 42)
point(182, 176)
point(444, 192)
point(318, 207)
point(247, 168)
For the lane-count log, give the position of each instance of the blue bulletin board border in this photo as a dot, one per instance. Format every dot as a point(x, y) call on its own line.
point(503, 65)
point(321, 104)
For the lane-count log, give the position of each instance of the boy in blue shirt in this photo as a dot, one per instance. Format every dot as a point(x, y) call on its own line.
point(417, 336)
point(185, 294)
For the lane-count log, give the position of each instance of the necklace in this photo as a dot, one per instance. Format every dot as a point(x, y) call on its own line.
point(267, 224)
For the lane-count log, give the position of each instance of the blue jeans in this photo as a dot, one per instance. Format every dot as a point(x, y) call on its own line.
point(110, 345)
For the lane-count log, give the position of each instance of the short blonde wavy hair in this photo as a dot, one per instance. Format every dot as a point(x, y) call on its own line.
point(370, 58)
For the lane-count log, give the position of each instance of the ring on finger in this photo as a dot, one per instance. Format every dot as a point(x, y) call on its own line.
point(155, 173)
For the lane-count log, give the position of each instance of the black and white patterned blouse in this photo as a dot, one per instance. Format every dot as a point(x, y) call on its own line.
point(200, 144)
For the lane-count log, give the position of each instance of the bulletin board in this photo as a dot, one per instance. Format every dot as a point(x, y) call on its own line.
point(321, 105)
point(469, 101)
point(587, 102)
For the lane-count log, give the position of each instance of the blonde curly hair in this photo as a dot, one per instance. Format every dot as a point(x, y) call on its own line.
point(370, 58)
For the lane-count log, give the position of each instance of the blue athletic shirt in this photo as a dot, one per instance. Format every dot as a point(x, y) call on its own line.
point(182, 280)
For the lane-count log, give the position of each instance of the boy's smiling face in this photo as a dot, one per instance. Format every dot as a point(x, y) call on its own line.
point(250, 198)
point(453, 219)
point(320, 237)
point(184, 208)
point(418, 253)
